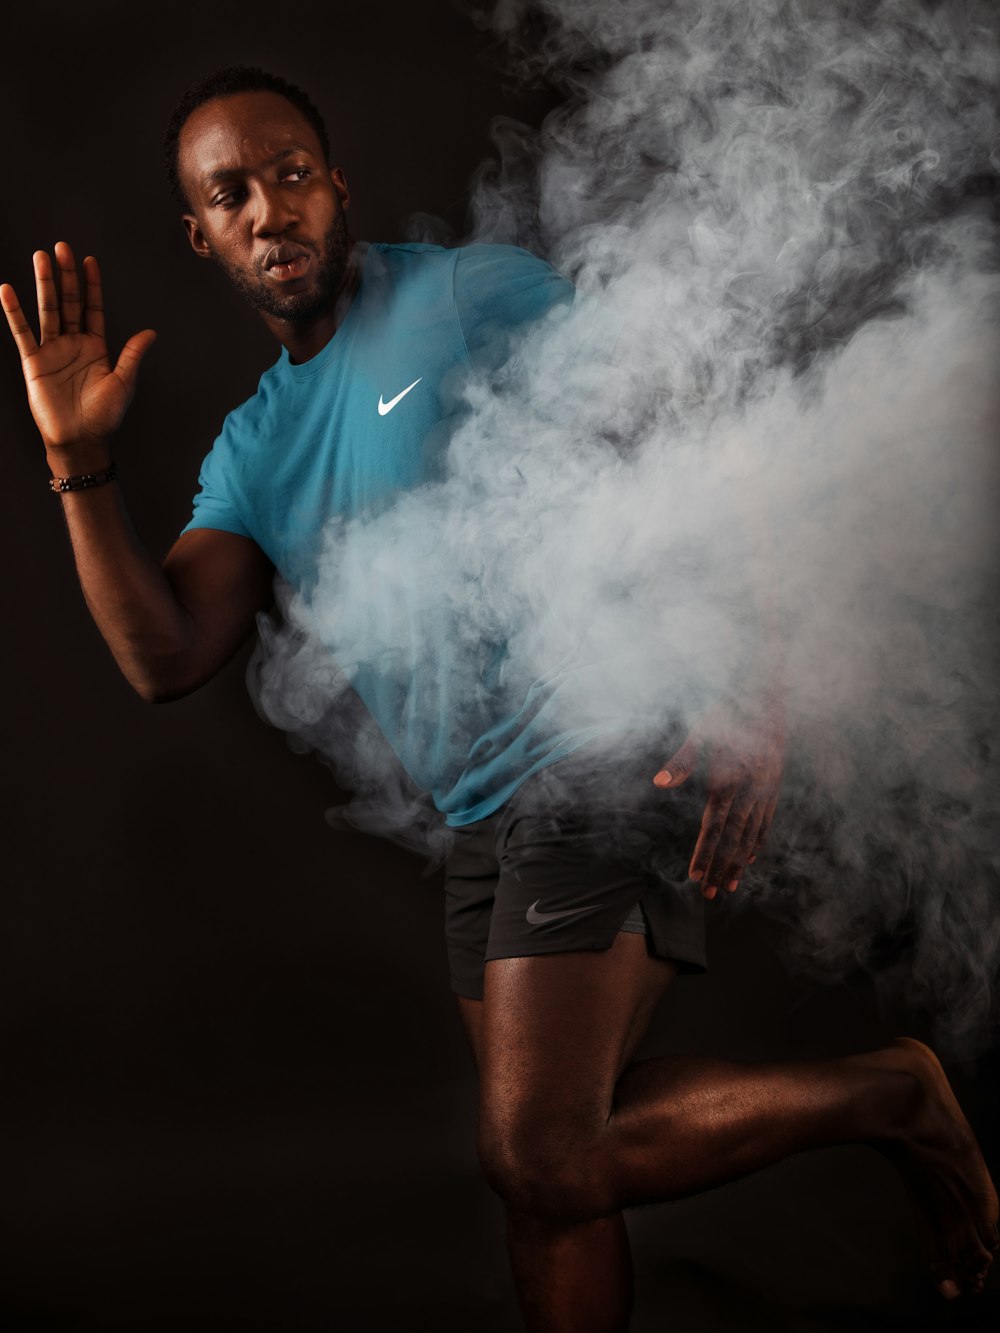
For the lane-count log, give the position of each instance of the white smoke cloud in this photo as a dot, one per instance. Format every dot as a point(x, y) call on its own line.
point(785, 213)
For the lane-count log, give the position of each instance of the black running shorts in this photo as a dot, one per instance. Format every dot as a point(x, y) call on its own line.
point(584, 848)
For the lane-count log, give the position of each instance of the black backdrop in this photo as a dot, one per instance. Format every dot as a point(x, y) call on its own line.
point(212, 1118)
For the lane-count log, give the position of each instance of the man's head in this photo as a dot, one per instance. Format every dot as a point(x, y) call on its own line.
point(248, 159)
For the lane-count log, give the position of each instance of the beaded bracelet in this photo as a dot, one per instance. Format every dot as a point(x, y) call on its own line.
point(84, 481)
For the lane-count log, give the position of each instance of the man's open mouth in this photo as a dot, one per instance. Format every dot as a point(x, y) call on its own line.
point(282, 263)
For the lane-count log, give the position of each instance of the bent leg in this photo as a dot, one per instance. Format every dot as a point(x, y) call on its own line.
point(553, 1034)
point(568, 1140)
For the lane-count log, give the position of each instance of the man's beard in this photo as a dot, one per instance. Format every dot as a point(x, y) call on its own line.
point(331, 265)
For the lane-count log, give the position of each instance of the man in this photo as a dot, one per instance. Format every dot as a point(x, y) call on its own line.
point(560, 944)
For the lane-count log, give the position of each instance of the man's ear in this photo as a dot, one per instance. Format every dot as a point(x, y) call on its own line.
point(196, 236)
point(340, 185)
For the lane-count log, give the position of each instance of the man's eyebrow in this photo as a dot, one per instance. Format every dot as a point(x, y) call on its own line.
point(227, 173)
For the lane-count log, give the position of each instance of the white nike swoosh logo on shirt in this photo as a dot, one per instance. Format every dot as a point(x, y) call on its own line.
point(537, 918)
point(387, 407)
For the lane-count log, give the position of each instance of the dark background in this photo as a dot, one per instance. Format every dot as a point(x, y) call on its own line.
point(235, 1093)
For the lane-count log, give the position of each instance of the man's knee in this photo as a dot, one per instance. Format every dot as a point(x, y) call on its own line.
point(546, 1165)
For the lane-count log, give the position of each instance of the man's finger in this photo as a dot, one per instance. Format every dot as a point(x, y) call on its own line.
point(680, 765)
point(751, 837)
point(19, 326)
point(69, 287)
point(93, 297)
point(765, 826)
point(713, 821)
point(724, 864)
point(48, 301)
point(131, 356)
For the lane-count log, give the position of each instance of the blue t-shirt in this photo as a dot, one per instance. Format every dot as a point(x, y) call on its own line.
point(336, 439)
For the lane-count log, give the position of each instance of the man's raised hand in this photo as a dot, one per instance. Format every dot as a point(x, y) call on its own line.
point(745, 762)
point(76, 397)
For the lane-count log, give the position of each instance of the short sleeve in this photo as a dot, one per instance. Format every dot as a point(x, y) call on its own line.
point(212, 506)
point(499, 291)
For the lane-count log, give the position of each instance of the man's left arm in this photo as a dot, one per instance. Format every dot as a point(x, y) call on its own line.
point(742, 743)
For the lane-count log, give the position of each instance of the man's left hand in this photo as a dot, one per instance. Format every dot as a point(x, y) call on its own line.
point(745, 760)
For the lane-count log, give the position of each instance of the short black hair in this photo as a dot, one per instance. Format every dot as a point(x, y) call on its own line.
point(225, 82)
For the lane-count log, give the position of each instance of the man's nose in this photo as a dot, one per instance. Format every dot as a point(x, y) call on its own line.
point(274, 210)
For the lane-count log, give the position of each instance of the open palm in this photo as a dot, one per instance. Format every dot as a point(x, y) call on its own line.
point(76, 396)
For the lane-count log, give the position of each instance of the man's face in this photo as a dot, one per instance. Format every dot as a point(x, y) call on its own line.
point(266, 207)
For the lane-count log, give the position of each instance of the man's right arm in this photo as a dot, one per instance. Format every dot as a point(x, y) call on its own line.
point(169, 628)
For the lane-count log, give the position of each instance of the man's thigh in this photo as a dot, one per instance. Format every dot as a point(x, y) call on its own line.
point(555, 1031)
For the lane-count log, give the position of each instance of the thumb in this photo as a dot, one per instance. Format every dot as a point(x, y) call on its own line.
point(131, 356)
point(679, 766)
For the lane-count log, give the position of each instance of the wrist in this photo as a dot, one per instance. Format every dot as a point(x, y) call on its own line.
point(71, 460)
point(84, 481)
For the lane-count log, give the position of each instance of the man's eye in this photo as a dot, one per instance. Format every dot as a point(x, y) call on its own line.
point(301, 172)
point(227, 199)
